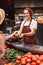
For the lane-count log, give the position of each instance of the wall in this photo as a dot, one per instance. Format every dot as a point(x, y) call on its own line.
point(8, 5)
point(28, 3)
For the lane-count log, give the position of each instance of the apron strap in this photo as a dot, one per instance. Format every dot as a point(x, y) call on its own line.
point(30, 22)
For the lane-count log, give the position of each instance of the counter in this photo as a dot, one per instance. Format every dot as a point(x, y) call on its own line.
point(26, 47)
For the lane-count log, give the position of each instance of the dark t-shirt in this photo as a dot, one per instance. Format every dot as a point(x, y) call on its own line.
point(3, 27)
point(39, 33)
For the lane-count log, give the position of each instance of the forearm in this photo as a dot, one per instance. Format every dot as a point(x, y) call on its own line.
point(19, 32)
point(8, 37)
point(28, 34)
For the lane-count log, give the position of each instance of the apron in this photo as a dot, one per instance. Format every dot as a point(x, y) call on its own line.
point(28, 39)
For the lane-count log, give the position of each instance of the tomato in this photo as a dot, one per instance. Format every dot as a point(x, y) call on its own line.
point(37, 56)
point(29, 56)
point(28, 60)
point(22, 59)
point(29, 53)
point(38, 61)
point(34, 58)
point(41, 63)
point(18, 61)
point(18, 57)
point(28, 64)
point(41, 58)
point(33, 63)
point(41, 55)
point(6, 62)
point(25, 58)
point(22, 56)
point(23, 62)
point(25, 55)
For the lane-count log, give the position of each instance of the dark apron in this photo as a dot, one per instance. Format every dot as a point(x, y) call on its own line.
point(28, 39)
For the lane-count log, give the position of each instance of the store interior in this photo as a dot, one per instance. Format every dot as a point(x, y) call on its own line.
point(14, 9)
point(13, 49)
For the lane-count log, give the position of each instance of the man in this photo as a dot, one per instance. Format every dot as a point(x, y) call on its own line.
point(3, 38)
point(39, 20)
point(2, 17)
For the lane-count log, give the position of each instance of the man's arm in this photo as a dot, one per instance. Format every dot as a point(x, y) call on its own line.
point(8, 37)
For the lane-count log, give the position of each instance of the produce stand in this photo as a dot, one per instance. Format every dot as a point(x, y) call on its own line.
point(33, 54)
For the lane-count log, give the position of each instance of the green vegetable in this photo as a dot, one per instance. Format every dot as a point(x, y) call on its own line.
point(12, 54)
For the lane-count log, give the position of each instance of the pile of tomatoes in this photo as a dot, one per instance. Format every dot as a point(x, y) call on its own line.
point(29, 59)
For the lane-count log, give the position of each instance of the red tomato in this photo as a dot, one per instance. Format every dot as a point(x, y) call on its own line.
point(22, 59)
point(6, 61)
point(33, 63)
point(29, 53)
point(37, 56)
point(41, 55)
point(33, 56)
point(38, 61)
point(28, 64)
point(25, 55)
point(34, 59)
point(22, 56)
point(23, 62)
point(41, 58)
point(18, 61)
point(29, 56)
point(25, 58)
point(41, 63)
point(28, 60)
point(18, 57)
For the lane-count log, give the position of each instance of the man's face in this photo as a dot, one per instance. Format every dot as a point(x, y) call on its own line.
point(0, 19)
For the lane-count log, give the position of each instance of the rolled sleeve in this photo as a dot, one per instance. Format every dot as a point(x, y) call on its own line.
point(33, 25)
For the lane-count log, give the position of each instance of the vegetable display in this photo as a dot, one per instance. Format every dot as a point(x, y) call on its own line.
point(12, 54)
point(29, 59)
point(20, 58)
